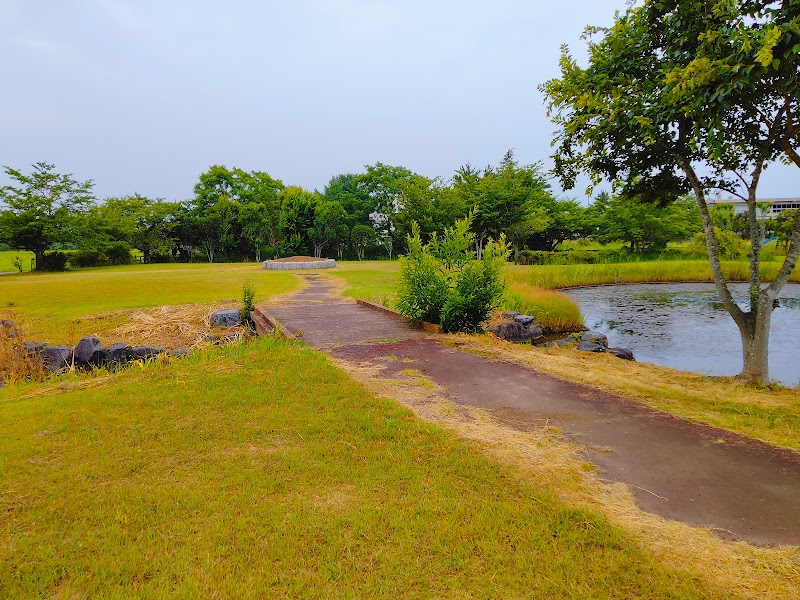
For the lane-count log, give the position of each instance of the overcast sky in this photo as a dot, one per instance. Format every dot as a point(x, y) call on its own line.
point(143, 96)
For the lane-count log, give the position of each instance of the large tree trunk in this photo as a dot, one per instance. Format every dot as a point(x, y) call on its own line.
point(755, 341)
point(39, 253)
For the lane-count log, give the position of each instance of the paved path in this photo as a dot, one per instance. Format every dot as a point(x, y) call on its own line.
point(679, 470)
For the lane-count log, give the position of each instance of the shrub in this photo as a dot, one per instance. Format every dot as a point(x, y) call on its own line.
point(53, 261)
point(442, 282)
point(248, 297)
point(118, 253)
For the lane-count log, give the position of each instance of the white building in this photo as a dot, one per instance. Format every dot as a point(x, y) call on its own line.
point(776, 205)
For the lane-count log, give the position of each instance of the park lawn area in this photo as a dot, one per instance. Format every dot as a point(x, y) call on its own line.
point(261, 470)
point(7, 258)
point(59, 306)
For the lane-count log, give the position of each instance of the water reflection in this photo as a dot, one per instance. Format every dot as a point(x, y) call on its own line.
point(685, 326)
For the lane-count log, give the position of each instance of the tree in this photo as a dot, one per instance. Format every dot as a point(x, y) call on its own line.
point(329, 219)
point(673, 101)
point(383, 184)
point(42, 208)
point(644, 226)
point(297, 219)
point(363, 237)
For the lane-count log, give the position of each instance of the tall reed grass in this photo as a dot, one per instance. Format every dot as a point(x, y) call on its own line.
point(554, 312)
point(567, 276)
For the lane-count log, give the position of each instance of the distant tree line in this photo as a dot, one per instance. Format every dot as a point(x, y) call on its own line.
point(237, 215)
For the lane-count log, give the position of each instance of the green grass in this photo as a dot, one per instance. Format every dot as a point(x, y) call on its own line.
point(51, 303)
point(7, 258)
point(262, 471)
point(566, 276)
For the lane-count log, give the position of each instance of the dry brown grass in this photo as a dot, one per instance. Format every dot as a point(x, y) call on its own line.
point(541, 457)
point(171, 327)
point(16, 365)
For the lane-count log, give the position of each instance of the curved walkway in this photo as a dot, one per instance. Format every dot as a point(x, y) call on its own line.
point(680, 470)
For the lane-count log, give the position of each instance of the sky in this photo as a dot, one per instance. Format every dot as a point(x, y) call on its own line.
point(143, 96)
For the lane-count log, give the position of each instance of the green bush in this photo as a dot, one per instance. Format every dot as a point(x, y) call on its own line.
point(248, 301)
point(441, 282)
point(53, 261)
point(118, 253)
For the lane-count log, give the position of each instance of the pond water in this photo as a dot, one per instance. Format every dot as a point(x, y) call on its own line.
point(684, 326)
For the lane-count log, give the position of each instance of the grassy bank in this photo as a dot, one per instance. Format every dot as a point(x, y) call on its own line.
point(57, 306)
point(566, 276)
point(261, 470)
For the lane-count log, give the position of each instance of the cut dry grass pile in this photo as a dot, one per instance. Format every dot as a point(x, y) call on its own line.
point(16, 365)
point(171, 327)
point(541, 457)
point(771, 414)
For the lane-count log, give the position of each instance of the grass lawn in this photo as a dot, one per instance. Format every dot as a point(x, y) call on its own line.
point(59, 306)
point(7, 257)
point(260, 470)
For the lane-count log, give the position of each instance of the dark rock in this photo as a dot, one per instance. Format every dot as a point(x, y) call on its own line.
point(513, 332)
point(510, 314)
point(179, 352)
point(226, 318)
point(98, 358)
point(55, 358)
point(595, 337)
point(524, 319)
point(117, 354)
point(623, 353)
point(32, 348)
point(537, 335)
point(143, 352)
point(590, 347)
point(86, 348)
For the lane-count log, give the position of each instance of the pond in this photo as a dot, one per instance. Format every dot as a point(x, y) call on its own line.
point(685, 326)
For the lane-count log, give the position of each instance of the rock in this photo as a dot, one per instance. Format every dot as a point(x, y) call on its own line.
point(98, 358)
point(537, 335)
point(590, 347)
point(513, 332)
point(117, 354)
point(595, 337)
point(226, 318)
point(524, 319)
point(179, 352)
point(623, 353)
point(214, 339)
point(86, 349)
point(562, 343)
point(32, 348)
point(510, 314)
point(143, 352)
point(55, 358)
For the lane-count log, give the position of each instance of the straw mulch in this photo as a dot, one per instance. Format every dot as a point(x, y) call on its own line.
point(172, 327)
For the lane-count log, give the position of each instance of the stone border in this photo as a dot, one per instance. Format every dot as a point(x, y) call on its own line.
point(274, 265)
point(424, 325)
point(266, 322)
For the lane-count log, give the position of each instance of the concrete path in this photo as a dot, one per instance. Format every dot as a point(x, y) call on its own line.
point(693, 473)
point(323, 319)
